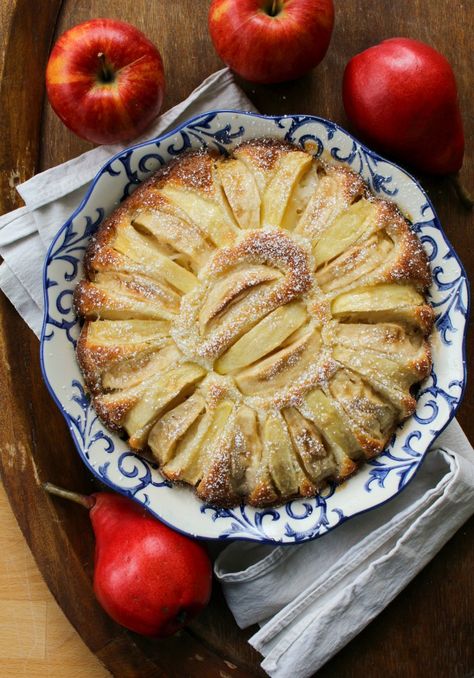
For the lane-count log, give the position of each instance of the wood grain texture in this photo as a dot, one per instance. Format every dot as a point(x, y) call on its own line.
point(35, 637)
point(427, 630)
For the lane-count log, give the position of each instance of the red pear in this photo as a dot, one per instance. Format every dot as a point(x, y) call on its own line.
point(401, 97)
point(147, 577)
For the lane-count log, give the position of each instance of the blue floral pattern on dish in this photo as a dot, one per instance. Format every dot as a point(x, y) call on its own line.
point(107, 455)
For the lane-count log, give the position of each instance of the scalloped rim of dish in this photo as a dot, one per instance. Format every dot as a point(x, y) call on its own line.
point(161, 138)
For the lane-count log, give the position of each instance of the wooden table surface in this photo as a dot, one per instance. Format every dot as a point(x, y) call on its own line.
point(427, 630)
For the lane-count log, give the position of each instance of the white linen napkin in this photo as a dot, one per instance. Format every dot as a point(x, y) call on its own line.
point(312, 599)
point(304, 618)
point(51, 197)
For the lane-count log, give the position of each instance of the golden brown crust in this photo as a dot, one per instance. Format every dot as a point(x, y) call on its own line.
point(247, 302)
point(353, 184)
point(216, 487)
point(264, 494)
point(425, 316)
point(87, 299)
point(421, 366)
point(412, 263)
point(193, 171)
point(93, 359)
point(370, 445)
point(112, 413)
point(347, 469)
point(264, 152)
point(105, 234)
point(273, 249)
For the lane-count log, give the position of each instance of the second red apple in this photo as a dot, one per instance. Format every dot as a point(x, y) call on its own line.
point(271, 40)
point(105, 80)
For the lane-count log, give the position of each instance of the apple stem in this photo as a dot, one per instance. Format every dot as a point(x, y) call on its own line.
point(464, 197)
point(106, 73)
point(274, 8)
point(82, 499)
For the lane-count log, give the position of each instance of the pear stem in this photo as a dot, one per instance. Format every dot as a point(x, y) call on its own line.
point(465, 198)
point(82, 499)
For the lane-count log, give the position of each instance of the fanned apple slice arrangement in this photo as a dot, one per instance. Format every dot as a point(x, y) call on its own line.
point(258, 322)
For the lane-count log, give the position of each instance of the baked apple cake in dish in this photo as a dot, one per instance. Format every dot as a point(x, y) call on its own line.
point(257, 321)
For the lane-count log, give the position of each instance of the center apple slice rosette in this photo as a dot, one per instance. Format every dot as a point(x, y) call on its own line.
point(257, 322)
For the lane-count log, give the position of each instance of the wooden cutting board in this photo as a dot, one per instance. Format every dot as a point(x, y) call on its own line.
point(426, 631)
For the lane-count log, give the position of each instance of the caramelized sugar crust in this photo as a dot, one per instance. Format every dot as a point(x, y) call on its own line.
point(258, 322)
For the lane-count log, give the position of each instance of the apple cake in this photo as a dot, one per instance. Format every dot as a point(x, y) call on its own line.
point(258, 322)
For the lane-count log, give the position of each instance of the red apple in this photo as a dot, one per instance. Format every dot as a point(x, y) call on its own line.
point(401, 97)
point(271, 40)
point(105, 80)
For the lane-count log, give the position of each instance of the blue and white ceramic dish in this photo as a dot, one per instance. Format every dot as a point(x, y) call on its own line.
point(108, 457)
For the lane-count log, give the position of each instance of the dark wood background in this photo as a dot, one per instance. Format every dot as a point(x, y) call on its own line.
point(427, 631)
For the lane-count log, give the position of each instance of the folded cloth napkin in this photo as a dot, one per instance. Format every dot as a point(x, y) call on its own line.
point(51, 197)
point(304, 618)
point(312, 599)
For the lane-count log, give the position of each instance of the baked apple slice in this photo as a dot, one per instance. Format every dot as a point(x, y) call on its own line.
point(193, 186)
point(104, 344)
point(176, 382)
point(113, 406)
point(316, 458)
point(232, 289)
point(355, 264)
point(354, 224)
point(300, 197)
point(146, 251)
point(281, 459)
point(400, 375)
point(241, 191)
point(258, 485)
point(321, 410)
point(288, 172)
point(121, 296)
point(371, 418)
point(187, 463)
point(282, 368)
point(395, 341)
point(386, 302)
point(166, 433)
point(185, 242)
point(265, 337)
point(336, 190)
